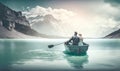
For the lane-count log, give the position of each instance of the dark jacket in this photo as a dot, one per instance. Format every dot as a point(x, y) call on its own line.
point(75, 40)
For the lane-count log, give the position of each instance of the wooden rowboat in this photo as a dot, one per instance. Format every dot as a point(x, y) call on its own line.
point(75, 49)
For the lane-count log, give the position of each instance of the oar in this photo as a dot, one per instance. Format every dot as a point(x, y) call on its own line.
point(50, 46)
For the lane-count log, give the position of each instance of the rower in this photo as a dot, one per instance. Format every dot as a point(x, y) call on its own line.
point(74, 39)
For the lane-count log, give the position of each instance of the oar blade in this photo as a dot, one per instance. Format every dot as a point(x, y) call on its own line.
point(50, 46)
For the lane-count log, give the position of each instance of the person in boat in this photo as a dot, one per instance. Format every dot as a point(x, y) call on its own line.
point(74, 39)
point(81, 39)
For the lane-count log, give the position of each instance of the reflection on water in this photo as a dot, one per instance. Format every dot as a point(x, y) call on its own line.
point(43, 54)
point(35, 55)
point(77, 61)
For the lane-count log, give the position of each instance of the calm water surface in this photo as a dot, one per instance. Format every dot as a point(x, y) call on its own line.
point(103, 54)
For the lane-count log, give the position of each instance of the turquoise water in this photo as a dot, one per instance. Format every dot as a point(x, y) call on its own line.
point(32, 54)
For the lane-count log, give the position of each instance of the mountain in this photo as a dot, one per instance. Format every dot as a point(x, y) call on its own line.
point(14, 25)
point(115, 34)
point(46, 24)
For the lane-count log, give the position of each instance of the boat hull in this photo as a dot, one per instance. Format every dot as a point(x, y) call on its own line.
point(75, 49)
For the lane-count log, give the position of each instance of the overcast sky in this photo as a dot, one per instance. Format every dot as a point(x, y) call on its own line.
point(92, 18)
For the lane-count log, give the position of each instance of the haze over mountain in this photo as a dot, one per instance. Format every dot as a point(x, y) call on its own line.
point(46, 26)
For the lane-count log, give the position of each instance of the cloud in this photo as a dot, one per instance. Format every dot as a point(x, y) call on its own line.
point(41, 11)
point(113, 2)
point(111, 15)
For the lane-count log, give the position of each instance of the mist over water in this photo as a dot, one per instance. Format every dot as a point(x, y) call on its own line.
point(35, 55)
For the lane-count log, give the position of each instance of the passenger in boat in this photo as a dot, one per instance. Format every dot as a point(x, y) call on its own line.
point(81, 39)
point(74, 40)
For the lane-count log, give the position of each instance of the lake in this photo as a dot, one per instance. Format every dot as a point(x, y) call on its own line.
point(34, 54)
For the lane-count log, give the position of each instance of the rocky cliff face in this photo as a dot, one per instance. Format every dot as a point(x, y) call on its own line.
point(115, 34)
point(10, 18)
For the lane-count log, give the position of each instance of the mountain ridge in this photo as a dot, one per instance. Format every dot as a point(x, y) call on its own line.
point(115, 34)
